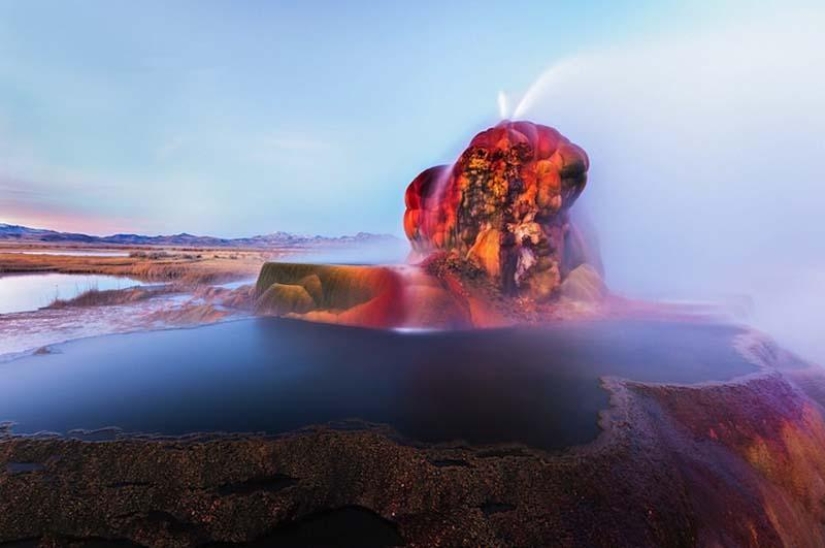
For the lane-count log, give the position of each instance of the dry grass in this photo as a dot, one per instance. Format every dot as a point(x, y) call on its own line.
point(189, 314)
point(111, 297)
point(203, 267)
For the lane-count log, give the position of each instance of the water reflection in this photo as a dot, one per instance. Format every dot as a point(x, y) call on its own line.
point(20, 293)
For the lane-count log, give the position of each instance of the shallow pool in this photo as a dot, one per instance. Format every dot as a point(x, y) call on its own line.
point(536, 386)
point(24, 292)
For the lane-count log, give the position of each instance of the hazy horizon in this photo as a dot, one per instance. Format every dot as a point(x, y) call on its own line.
point(205, 235)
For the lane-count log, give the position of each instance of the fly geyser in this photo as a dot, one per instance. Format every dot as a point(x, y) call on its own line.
point(492, 243)
point(504, 206)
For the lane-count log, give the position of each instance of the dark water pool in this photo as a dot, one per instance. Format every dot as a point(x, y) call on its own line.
point(537, 386)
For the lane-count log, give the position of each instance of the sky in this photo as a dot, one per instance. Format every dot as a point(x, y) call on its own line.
point(240, 118)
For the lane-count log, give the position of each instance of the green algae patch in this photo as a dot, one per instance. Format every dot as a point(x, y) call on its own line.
point(282, 299)
point(367, 295)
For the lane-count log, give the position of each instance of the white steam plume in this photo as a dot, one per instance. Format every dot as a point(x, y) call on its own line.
point(503, 105)
point(707, 166)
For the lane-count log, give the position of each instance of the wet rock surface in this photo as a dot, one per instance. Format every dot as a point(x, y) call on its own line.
point(739, 463)
point(370, 296)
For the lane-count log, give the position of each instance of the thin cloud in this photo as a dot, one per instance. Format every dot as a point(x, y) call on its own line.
point(296, 143)
point(170, 147)
point(283, 149)
point(17, 191)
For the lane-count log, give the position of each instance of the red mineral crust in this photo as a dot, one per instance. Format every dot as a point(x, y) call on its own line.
point(495, 239)
point(504, 206)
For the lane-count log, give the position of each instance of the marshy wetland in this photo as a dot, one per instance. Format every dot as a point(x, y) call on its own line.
point(50, 295)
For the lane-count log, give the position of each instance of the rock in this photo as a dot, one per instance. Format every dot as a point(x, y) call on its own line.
point(367, 296)
point(432, 305)
point(494, 237)
point(191, 313)
point(284, 299)
point(314, 287)
point(504, 205)
point(715, 464)
point(355, 295)
point(584, 284)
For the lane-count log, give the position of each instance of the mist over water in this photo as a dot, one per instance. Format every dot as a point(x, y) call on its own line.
point(388, 250)
point(707, 170)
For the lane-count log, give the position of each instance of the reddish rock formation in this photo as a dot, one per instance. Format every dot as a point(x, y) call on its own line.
point(503, 205)
point(495, 238)
point(354, 295)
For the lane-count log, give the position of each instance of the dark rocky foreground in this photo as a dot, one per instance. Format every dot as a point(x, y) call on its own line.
point(720, 464)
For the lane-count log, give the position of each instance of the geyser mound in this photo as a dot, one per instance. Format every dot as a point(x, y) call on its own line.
point(504, 207)
point(494, 241)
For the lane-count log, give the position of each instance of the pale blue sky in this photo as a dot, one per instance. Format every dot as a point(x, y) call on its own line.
point(242, 117)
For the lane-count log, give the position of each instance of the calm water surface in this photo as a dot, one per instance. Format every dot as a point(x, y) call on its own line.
point(24, 292)
point(536, 386)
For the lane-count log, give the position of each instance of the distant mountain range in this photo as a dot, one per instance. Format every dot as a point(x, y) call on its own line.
point(25, 235)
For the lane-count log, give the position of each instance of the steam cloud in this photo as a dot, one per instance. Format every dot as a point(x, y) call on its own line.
point(708, 166)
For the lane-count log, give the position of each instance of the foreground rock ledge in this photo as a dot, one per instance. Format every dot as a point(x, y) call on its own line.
point(724, 464)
